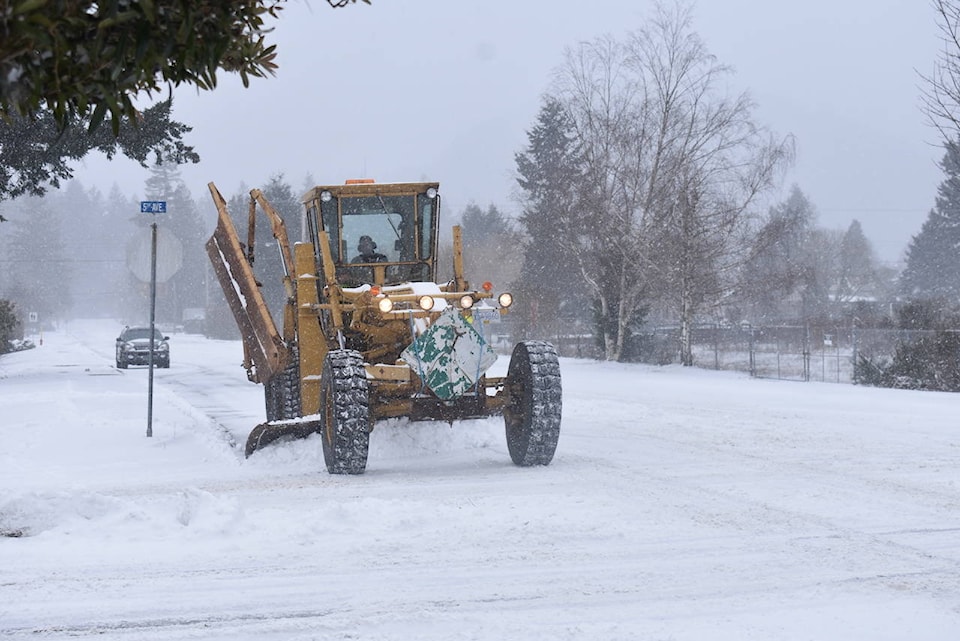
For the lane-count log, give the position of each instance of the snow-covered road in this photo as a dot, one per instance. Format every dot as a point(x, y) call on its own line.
point(682, 504)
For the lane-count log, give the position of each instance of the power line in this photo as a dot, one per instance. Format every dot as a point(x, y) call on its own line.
point(911, 210)
point(35, 261)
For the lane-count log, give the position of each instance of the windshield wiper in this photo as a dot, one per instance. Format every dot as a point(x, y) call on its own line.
point(383, 206)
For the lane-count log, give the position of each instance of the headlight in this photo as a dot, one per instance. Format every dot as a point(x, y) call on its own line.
point(425, 303)
point(162, 347)
point(466, 301)
point(505, 299)
point(325, 196)
point(432, 193)
point(385, 305)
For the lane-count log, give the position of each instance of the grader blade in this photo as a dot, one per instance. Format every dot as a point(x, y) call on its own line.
point(267, 433)
point(265, 351)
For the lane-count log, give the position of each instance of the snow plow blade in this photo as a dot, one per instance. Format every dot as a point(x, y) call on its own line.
point(267, 433)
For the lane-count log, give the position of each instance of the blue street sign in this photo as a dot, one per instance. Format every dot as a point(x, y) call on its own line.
point(153, 206)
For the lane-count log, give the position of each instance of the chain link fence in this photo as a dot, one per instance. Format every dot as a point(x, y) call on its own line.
point(830, 354)
point(825, 353)
point(786, 352)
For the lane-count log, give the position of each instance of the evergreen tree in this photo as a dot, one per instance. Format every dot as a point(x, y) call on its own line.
point(9, 325)
point(858, 275)
point(550, 285)
point(95, 257)
point(268, 266)
point(268, 262)
point(186, 287)
point(120, 221)
point(490, 247)
point(933, 255)
point(820, 275)
point(479, 224)
point(5, 209)
point(38, 260)
point(95, 57)
point(37, 153)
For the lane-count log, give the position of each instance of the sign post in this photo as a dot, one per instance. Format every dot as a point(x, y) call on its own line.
point(152, 207)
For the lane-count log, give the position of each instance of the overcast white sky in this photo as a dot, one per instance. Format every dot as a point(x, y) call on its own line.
point(446, 91)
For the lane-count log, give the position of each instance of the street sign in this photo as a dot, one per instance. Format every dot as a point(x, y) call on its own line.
point(153, 206)
point(486, 314)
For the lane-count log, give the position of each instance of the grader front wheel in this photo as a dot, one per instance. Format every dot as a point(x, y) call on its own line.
point(344, 412)
point(532, 413)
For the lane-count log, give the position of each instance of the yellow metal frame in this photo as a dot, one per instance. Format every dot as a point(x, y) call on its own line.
point(265, 351)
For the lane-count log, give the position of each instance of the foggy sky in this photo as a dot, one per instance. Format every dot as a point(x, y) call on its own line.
point(441, 90)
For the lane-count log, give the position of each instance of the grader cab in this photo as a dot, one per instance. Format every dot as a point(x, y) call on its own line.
point(368, 334)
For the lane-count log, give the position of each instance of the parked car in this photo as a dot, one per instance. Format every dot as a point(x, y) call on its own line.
point(133, 347)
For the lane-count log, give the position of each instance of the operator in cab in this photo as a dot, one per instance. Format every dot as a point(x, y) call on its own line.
point(368, 252)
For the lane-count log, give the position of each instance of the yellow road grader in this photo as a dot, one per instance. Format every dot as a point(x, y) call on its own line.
point(368, 334)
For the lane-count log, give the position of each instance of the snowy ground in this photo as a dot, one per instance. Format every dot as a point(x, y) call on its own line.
point(683, 504)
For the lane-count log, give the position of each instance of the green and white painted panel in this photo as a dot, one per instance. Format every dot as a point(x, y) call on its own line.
point(450, 356)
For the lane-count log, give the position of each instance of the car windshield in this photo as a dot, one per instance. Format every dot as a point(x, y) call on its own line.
point(135, 333)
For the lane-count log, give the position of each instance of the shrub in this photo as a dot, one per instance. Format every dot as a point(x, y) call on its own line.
point(928, 363)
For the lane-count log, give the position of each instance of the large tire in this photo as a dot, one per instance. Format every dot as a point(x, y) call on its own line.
point(282, 392)
point(344, 412)
point(534, 405)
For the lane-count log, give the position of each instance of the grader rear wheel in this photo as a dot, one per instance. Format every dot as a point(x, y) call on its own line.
point(282, 392)
point(532, 412)
point(344, 412)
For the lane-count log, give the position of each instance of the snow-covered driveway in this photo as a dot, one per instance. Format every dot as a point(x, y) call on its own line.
point(682, 504)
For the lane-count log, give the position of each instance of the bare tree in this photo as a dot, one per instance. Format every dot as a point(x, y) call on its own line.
point(941, 95)
point(605, 103)
point(776, 271)
point(673, 165)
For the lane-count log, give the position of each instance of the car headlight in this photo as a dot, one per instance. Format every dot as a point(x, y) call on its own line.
point(505, 299)
point(162, 347)
point(425, 302)
point(385, 304)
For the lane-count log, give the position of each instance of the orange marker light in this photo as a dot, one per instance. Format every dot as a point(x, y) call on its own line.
point(375, 290)
point(487, 286)
point(359, 181)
